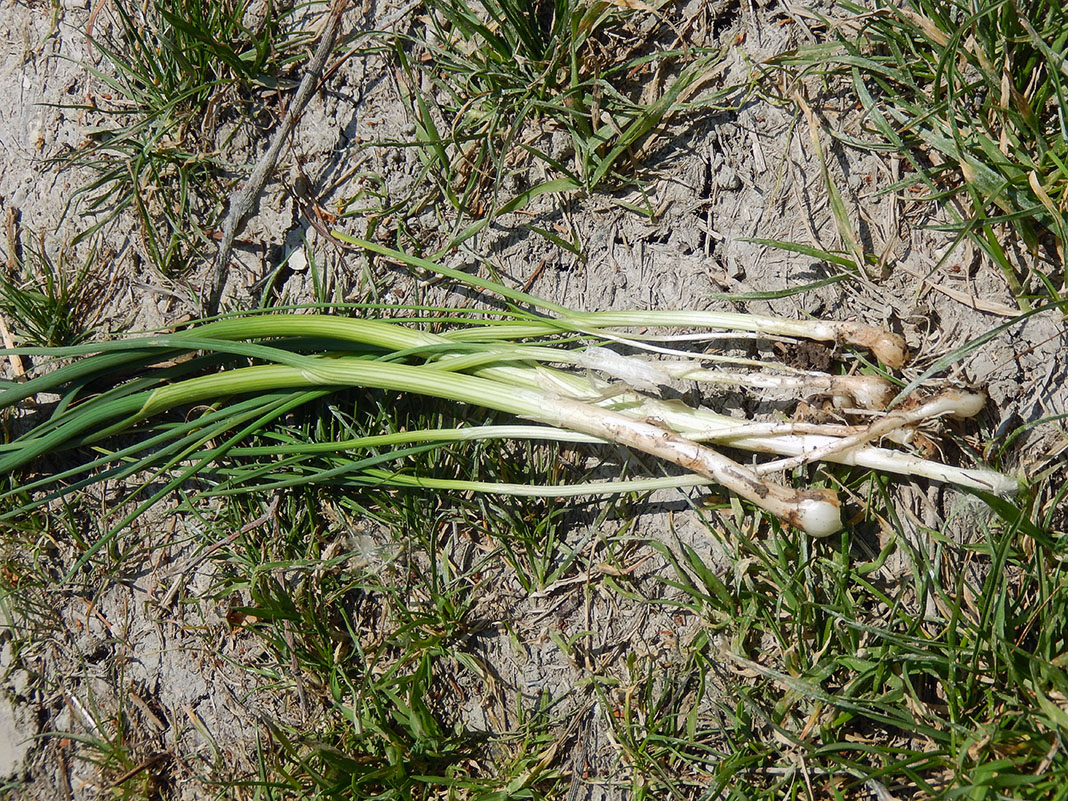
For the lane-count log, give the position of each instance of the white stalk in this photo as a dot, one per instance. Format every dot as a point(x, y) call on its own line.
point(703, 424)
point(535, 392)
point(865, 391)
point(888, 347)
point(952, 403)
point(784, 439)
point(815, 512)
point(869, 392)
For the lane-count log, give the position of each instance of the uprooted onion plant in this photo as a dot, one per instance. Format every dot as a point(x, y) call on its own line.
point(584, 377)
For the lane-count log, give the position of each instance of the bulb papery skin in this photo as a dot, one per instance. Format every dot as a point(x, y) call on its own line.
point(868, 392)
point(888, 347)
point(890, 350)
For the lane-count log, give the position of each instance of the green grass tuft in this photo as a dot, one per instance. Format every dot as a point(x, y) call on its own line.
point(508, 79)
point(973, 95)
point(49, 302)
point(173, 75)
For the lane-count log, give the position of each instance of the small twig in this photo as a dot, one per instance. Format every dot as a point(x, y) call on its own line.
point(11, 219)
point(399, 14)
point(82, 713)
point(969, 300)
point(65, 791)
point(11, 231)
point(92, 21)
point(242, 204)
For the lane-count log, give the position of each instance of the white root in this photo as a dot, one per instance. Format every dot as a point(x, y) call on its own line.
point(867, 392)
point(815, 512)
point(889, 348)
point(703, 424)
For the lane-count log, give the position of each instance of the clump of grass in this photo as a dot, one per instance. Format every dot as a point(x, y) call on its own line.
point(48, 301)
point(973, 94)
point(173, 73)
point(839, 675)
point(506, 75)
point(380, 644)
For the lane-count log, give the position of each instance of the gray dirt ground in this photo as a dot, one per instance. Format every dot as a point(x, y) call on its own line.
point(165, 656)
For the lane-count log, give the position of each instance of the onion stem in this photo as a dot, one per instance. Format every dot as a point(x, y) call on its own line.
point(493, 365)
